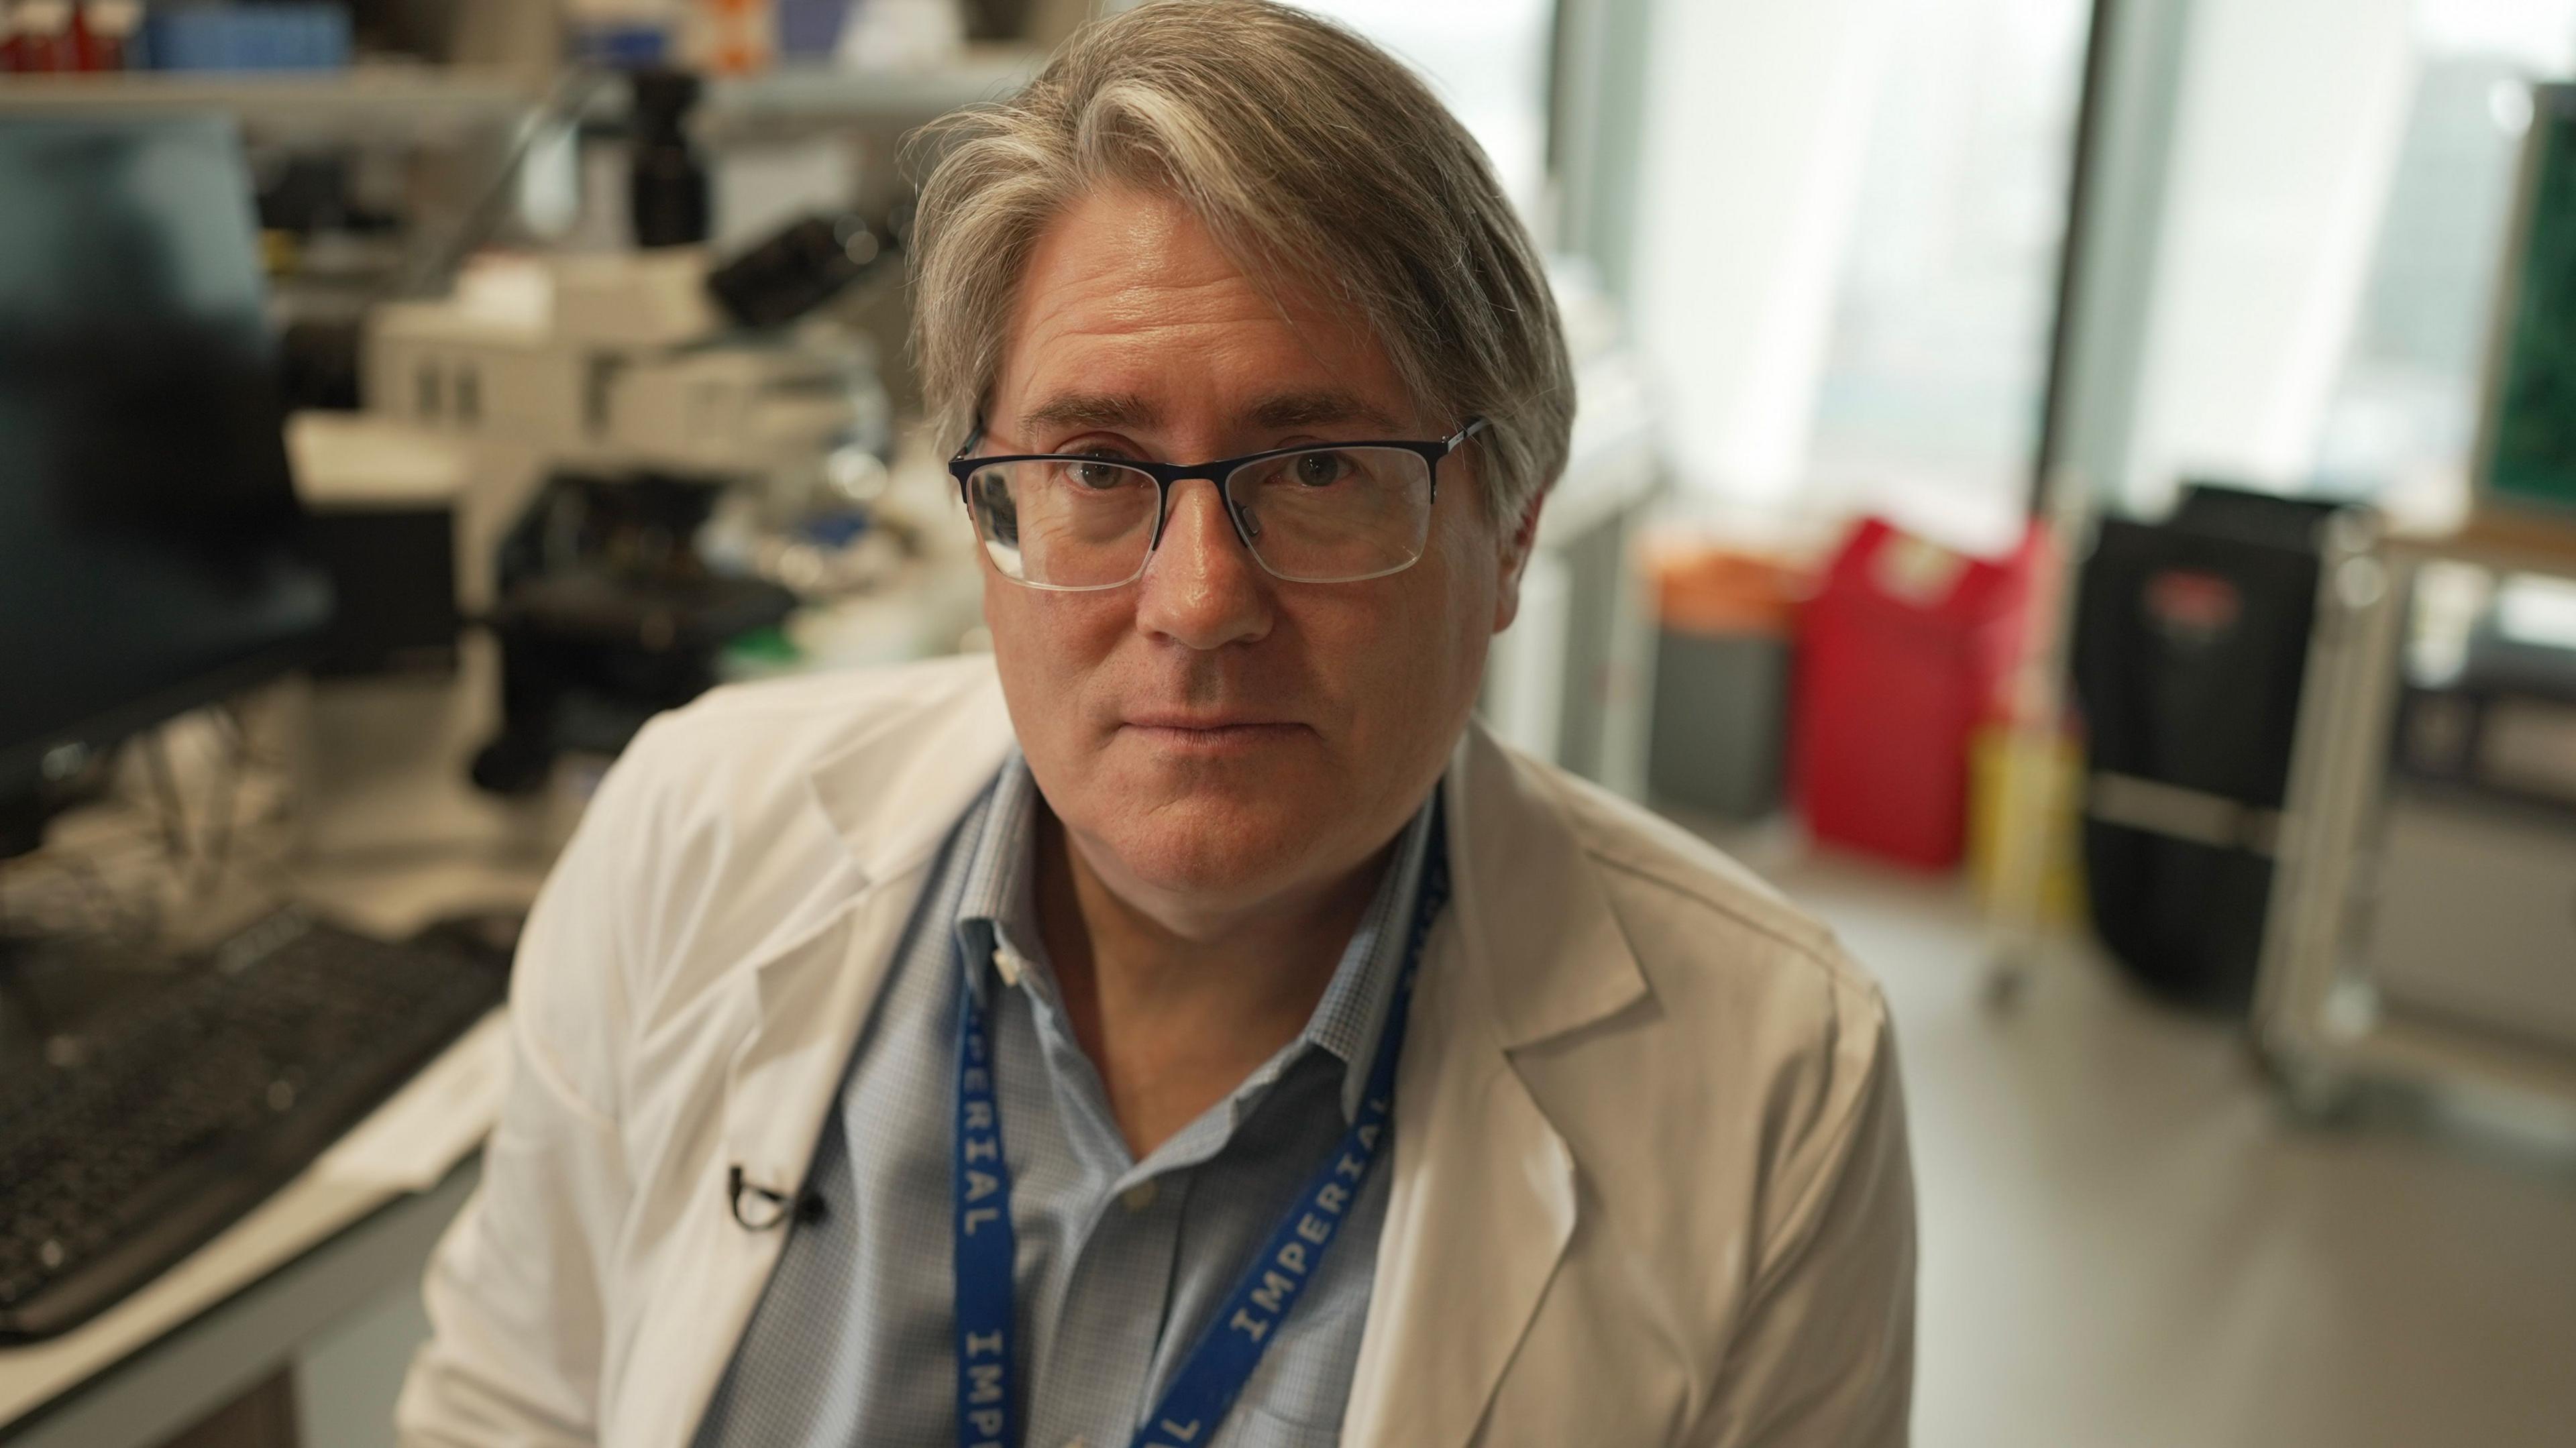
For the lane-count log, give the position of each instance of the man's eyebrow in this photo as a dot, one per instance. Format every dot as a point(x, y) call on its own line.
point(1093, 409)
point(1281, 412)
point(1322, 408)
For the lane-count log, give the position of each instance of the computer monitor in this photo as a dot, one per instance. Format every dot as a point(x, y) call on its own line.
point(151, 552)
point(2526, 447)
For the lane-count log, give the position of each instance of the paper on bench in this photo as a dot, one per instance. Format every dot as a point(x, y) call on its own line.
point(429, 1125)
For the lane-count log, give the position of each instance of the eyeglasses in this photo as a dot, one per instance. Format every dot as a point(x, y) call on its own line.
point(1337, 514)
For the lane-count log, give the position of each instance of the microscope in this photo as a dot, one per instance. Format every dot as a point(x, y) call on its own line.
point(653, 385)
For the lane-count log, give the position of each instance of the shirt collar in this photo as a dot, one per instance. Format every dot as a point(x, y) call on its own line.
point(997, 926)
point(1352, 1014)
point(997, 915)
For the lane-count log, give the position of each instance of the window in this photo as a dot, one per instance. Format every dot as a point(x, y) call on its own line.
point(1843, 260)
point(1929, 403)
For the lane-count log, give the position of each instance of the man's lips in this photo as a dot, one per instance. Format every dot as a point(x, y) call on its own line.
point(1204, 723)
point(1209, 733)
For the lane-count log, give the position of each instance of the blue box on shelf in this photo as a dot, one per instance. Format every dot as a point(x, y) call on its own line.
point(811, 29)
point(246, 37)
point(622, 46)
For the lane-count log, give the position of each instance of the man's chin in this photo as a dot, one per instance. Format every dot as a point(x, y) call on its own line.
point(1213, 842)
point(1185, 749)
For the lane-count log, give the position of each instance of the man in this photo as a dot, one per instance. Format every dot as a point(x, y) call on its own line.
point(1185, 1027)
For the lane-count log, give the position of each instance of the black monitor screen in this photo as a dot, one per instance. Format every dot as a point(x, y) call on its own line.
point(149, 532)
point(2532, 456)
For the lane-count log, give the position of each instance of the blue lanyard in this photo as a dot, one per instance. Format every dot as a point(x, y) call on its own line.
point(1214, 1374)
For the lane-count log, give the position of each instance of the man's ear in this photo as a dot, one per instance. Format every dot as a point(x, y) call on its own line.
point(1515, 547)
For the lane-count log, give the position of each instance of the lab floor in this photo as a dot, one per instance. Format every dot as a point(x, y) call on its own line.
point(2127, 1242)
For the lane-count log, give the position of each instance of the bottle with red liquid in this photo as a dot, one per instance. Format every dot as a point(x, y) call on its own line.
point(55, 36)
point(40, 38)
point(105, 31)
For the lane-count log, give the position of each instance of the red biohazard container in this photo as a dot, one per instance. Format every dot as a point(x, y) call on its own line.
point(1902, 652)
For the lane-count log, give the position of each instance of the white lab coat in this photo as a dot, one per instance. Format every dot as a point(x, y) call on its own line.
point(1650, 1175)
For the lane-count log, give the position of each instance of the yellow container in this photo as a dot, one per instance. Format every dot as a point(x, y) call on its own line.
point(1997, 854)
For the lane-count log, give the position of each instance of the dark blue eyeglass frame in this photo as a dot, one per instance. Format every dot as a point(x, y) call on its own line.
point(963, 468)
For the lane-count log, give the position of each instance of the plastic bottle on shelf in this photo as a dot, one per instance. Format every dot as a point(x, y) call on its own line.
point(729, 37)
point(902, 35)
point(39, 37)
point(104, 31)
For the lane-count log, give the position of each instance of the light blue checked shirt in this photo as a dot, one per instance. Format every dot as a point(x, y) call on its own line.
point(1121, 1262)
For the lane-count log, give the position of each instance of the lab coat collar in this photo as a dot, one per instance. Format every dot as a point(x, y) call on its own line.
point(1530, 902)
point(893, 791)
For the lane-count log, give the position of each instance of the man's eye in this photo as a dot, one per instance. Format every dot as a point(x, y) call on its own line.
point(1097, 475)
point(1317, 470)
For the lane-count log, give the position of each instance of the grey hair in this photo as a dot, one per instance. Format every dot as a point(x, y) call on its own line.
point(1308, 153)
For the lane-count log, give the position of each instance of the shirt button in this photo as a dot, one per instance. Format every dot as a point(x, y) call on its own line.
point(1138, 1197)
point(1009, 964)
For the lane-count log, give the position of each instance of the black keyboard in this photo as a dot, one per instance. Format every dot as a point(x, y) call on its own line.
point(163, 1120)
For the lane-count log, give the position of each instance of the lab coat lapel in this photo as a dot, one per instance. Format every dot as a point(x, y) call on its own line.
point(1483, 1201)
point(1482, 1207)
point(802, 1010)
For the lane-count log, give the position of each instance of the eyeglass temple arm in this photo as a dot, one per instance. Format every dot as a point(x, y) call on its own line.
point(974, 435)
point(1474, 426)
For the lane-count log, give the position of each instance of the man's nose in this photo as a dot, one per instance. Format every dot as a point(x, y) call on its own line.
point(1202, 588)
